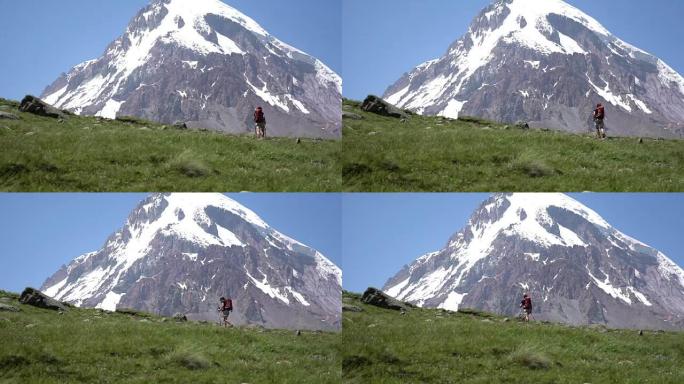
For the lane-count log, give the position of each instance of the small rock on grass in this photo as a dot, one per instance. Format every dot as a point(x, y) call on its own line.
point(8, 116)
point(8, 308)
point(351, 116)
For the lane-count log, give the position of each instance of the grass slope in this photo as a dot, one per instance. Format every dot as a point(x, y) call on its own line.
point(93, 346)
point(436, 154)
point(86, 154)
point(436, 346)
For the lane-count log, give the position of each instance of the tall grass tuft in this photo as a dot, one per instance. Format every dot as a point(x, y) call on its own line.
point(188, 164)
point(530, 357)
point(188, 358)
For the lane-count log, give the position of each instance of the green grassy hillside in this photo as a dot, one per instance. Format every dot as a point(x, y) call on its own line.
point(436, 346)
point(93, 346)
point(436, 154)
point(89, 154)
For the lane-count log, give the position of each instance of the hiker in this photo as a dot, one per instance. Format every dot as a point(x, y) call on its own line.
point(260, 123)
point(526, 305)
point(599, 115)
point(226, 308)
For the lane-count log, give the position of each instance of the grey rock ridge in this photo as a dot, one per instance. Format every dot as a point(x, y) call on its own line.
point(179, 253)
point(204, 63)
point(547, 63)
point(577, 268)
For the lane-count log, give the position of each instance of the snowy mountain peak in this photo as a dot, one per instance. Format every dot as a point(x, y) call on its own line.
point(547, 63)
point(537, 205)
point(578, 268)
point(196, 10)
point(205, 63)
point(177, 250)
point(196, 203)
point(535, 11)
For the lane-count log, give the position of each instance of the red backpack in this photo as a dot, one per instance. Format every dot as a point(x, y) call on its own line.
point(527, 303)
point(259, 116)
point(228, 304)
point(600, 112)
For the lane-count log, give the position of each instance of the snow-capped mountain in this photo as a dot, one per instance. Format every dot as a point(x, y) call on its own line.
point(204, 63)
point(577, 267)
point(182, 252)
point(548, 63)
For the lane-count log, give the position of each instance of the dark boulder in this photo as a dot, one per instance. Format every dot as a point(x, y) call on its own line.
point(8, 116)
point(180, 125)
point(36, 298)
point(379, 106)
point(180, 317)
point(374, 296)
point(32, 104)
point(8, 308)
point(522, 125)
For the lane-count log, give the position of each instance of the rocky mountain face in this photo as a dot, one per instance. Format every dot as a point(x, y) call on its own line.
point(179, 253)
point(548, 63)
point(204, 63)
point(577, 268)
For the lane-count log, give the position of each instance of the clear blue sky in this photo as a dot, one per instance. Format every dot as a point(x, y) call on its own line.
point(383, 39)
point(40, 39)
point(383, 232)
point(41, 232)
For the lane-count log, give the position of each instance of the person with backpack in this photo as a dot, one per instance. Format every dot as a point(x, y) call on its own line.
point(599, 116)
point(260, 123)
point(526, 305)
point(226, 308)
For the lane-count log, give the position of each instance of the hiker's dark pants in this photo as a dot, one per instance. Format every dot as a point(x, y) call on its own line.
point(600, 127)
point(261, 129)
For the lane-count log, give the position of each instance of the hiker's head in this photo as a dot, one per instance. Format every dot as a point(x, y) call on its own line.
point(599, 105)
point(222, 299)
point(525, 295)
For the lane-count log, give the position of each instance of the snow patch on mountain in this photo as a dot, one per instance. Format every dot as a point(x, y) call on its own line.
point(54, 290)
point(608, 288)
point(669, 269)
point(110, 301)
point(273, 292)
point(110, 109)
point(669, 76)
point(452, 301)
